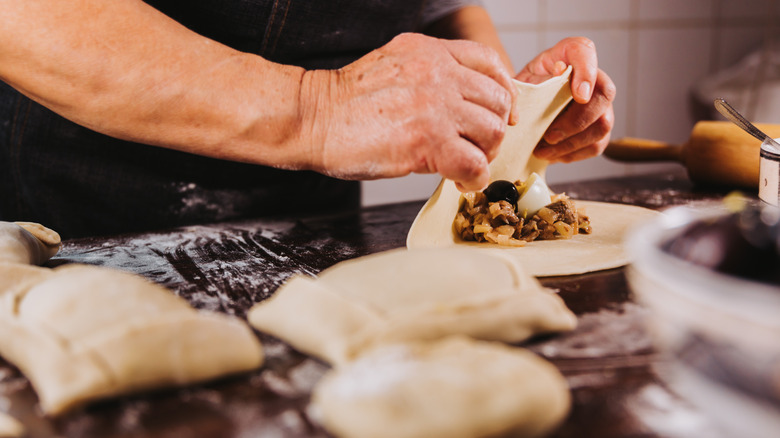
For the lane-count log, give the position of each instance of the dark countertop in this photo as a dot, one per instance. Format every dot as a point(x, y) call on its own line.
point(608, 360)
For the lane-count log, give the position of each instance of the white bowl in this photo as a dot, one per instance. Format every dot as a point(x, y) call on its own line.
point(721, 332)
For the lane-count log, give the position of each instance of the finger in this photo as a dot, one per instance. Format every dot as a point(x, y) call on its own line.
point(536, 73)
point(463, 163)
point(480, 90)
point(578, 117)
point(482, 128)
point(595, 134)
point(580, 53)
point(485, 60)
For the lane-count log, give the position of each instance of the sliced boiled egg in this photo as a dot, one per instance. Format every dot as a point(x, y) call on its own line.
point(534, 196)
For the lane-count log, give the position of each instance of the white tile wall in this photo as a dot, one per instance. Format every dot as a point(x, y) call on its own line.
point(506, 12)
point(573, 12)
point(654, 50)
point(736, 41)
point(670, 60)
point(731, 9)
point(521, 45)
point(676, 9)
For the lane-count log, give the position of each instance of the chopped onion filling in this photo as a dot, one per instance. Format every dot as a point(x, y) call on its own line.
point(503, 223)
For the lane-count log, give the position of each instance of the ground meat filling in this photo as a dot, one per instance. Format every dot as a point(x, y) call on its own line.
point(480, 220)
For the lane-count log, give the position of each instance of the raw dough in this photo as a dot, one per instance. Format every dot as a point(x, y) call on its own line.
point(10, 427)
point(313, 319)
point(27, 243)
point(410, 295)
point(583, 253)
point(602, 249)
point(395, 280)
point(15, 277)
point(81, 333)
point(455, 388)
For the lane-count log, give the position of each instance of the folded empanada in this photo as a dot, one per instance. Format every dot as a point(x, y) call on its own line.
point(27, 243)
point(410, 295)
point(81, 333)
point(455, 388)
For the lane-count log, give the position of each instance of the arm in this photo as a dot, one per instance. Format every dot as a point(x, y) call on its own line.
point(126, 70)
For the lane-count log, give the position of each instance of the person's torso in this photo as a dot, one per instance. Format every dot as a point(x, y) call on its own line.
point(84, 183)
point(307, 33)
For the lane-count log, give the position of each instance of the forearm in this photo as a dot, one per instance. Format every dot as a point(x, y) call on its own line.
point(470, 23)
point(126, 70)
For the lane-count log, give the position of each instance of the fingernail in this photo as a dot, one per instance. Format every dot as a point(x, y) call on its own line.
point(514, 113)
point(554, 136)
point(560, 67)
point(584, 90)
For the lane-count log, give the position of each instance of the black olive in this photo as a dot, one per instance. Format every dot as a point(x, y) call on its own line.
point(501, 190)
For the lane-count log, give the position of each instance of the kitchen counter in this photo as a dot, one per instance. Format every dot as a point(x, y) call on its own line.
point(609, 360)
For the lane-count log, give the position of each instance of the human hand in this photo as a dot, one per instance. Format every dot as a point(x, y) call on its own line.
point(582, 130)
point(417, 104)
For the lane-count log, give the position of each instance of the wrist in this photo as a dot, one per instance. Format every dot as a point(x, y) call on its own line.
point(267, 119)
point(314, 106)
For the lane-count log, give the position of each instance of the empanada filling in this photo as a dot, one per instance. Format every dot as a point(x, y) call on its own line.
point(501, 214)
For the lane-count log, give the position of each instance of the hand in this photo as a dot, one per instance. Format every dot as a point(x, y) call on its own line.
point(417, 104)
point(582, 130)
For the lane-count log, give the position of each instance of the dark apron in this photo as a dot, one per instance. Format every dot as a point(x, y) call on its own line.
point(82, 183)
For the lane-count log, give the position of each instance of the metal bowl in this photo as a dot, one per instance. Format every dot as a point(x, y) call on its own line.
point(721, 332)
point(769, 174)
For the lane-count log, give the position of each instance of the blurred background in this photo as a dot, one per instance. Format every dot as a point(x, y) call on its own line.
point(668, 58)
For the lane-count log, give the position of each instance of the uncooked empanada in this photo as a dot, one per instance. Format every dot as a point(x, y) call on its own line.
point(541, 103)
point(10, 427)
point(27, 243)
point(410, 295)
point(603, 249)
point(81, 333)
point(455, 388)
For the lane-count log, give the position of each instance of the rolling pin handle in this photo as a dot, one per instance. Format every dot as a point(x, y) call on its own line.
point(642, 151)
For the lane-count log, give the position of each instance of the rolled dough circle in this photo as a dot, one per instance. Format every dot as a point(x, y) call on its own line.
point(602, 249)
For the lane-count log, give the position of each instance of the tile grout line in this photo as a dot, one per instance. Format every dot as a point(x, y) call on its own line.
point(715, 38)
point(541, 33)
point(633, 76)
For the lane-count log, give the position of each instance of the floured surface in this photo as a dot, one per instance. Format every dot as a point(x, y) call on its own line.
point(595, 336)
point(224, 266)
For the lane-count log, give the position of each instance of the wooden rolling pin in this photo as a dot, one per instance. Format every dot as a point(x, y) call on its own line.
point(718, 153)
